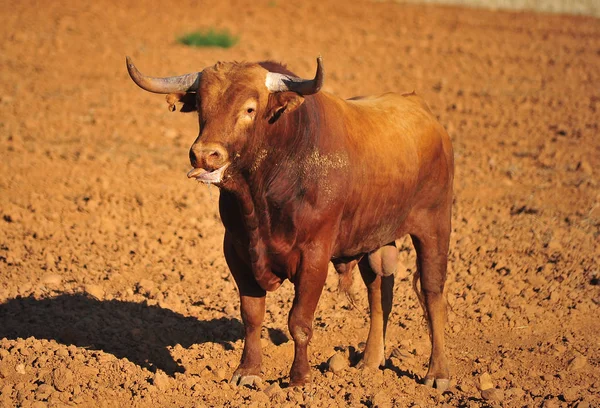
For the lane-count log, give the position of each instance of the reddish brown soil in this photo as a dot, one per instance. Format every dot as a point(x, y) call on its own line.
point(113, 287)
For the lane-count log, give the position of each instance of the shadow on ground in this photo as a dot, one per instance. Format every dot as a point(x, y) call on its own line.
point(135, 331)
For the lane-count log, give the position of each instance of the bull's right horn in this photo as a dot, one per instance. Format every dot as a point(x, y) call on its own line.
point(181, 83)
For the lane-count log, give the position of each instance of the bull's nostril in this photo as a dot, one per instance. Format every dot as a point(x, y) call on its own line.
point(193, 158)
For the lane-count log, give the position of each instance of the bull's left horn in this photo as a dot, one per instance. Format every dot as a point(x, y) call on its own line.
point(181, 83)
point(280, 82)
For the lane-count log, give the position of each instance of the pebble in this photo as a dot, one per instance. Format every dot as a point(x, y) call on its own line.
point(94, 291)
point(62, 378)
point(221, 374)
point(50, 260)
point(515, 392)
point(485, 381)
point(43, 391)
point(337, 363)
point(577, 363)
point(145, 287)
point(551, 403)
point(20, 368)
point(492, 394)
point(554, 245)
point(571, 394)
point(52, 279)
point(401, 354)
point(272, 389)
point(161, 381)
point(382, 400)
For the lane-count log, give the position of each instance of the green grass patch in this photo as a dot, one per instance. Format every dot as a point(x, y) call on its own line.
point(209, 38)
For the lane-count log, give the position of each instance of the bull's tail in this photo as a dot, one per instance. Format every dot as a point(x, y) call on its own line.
point(417, 288)
point(421, 297)
point(345, 280)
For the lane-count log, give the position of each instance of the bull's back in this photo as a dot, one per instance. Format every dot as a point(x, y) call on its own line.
point(400, 160)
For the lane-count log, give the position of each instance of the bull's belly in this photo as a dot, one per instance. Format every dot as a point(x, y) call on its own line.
point(356, 242)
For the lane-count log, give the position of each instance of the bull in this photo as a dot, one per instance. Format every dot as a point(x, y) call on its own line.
point(307, 178)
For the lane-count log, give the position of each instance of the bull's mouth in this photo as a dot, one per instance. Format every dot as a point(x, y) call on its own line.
point(208, 177)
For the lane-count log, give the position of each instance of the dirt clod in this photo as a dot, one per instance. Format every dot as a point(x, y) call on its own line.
point(272, 389)
point(337, 363)
point(492, 394)
point(577, 363)
point(485, 381)
point(62, 378)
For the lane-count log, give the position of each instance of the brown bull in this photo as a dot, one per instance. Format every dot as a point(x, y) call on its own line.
point(307, 178)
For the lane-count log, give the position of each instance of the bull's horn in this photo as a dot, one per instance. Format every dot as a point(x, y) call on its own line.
point(181, 83)
point(280, 82)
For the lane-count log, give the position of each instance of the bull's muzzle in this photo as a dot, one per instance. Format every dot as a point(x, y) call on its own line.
point(208, 156)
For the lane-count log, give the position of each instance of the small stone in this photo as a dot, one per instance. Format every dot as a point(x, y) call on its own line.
point(52, 279)
point(20, 368)
point(145, 287)
point(571, 394)
point(577, 363)
point(337, 363)
point(554, 245)
point(161, 381)
point(485, 381)
point(272, 389)
point(551, 403)
point(515, 392)
point(492, 394)
point(50, 260)
point(94, 291)
point(62, 378)
point(221, 374)
point(43, 391)
point(582, 404)
point(229, 309)
point(382, 399)
point(586, 168)
point(421, 349)
point(401, 354)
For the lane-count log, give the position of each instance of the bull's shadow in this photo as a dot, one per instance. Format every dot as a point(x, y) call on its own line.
point(135, 331)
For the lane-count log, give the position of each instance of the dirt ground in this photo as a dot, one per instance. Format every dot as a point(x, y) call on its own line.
point(113, 287)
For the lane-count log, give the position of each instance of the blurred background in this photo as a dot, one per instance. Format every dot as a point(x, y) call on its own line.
point(113, 286)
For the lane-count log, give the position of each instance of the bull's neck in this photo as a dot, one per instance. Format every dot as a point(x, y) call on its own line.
point(272, 181)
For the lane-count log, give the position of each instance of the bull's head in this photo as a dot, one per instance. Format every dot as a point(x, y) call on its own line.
point(235, 103)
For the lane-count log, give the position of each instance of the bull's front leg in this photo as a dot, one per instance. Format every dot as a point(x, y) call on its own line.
point(252, 306)
point(308, 284)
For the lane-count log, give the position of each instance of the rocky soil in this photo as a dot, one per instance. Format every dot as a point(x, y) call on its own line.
point(113, 287)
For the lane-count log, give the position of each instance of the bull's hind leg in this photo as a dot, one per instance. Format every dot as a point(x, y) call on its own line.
point(432, 261)
point(377, 270)
point(252, 306)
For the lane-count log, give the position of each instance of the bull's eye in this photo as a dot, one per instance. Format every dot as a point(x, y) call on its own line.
point(250, 110)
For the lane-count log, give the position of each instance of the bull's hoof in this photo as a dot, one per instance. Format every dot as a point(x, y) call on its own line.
point(243, 377)
point(372, 364)
point(441, 384)
point(372, 359)
point(299, 381)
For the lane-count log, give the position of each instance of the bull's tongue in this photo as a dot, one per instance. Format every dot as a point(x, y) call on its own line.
point(195, 173)
point(206, 176)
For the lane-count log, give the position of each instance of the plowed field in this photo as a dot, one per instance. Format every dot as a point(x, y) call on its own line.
point(113, 287)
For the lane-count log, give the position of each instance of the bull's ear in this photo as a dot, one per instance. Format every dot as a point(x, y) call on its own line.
point(282, 102)
point(186, 101)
